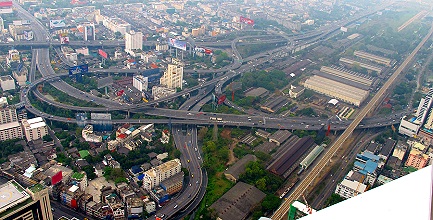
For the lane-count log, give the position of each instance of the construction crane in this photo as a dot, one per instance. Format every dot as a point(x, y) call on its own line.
point(309, 209)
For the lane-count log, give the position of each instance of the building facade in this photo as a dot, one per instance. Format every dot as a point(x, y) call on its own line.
point(7, 83)
point(173, 77)
point(133, 41)
point(156, 175)
point(34, 128)
point(417, 159)
point(140, 82)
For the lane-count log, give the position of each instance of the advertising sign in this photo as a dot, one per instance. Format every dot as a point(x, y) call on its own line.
point(343, 29)
point(103, 54)
point(79, 69)
point(57, 23)
point(56, 178)
point(204, 50)
point(6, 4)
point(221, 99)
point(28, 35)
point(246, 20)
point(177, 43)
point(64, 39)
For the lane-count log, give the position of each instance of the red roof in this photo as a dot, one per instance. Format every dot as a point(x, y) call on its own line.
point(153, 66)
point(387, 106)
point(121, 136)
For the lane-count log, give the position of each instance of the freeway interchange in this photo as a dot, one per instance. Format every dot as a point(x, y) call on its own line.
point(185, 140)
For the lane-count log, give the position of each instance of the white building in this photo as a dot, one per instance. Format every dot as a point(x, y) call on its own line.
point(34, 128)
point(7, 83)
point(89, 31)
point(150, 207)
point(156, 175)
point(116, 24)
point(21, 75)
point(350, 188)
point(10, 130)
point(87, 134)
point(161, 47)
point(133, 41)
point(173, 77)
point(149, 58)
point(140, 82)
point(82, 50)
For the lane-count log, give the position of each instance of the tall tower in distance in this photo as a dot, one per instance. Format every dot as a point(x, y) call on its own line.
point(173, 77)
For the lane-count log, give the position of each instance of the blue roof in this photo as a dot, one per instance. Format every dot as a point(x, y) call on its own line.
point(136, 169)
point(413, 119)
point(140, 177)
point(370, 166)
point(359, 164)
point(131, 129)
point(368, 155)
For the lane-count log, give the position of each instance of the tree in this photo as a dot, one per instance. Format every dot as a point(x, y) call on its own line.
point(90, 172)
point(333, 199)
point(270, 203)
point(117, 34)
point(47, 138)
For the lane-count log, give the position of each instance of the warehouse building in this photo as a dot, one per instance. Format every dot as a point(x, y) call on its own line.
point(284, 164)
point(238, 168)
point(343, 92)
point(352, 62)
point(279, 137)
point(372, 57)
point(348, 74)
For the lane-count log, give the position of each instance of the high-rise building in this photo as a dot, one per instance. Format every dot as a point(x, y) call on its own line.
point(140, 82)
point(89, 31)
point(19, 203)
point(173, 77)
point(8, 114)
point(2, 25)
point(34, 128)
point(156, 175)
point(133, 41)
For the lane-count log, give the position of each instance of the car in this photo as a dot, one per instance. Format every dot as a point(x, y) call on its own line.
point(196, 182)
point(163, 215)
point(188, 161)
point(198, 158)
point(175, 206)
point(190, 184)
point(192, 175)
point(189, 196)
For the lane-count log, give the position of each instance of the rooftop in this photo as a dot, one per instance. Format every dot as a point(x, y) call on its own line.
point(238, 201)
point(12, 194)
point(77, 176)
point(280, 135)
point(239, 167)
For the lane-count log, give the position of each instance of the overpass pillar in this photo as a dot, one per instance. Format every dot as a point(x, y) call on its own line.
point(127, 114)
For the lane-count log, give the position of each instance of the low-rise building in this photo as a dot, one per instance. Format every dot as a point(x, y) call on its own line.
point(280, 136)
point(262, 133)
point(296, 91)
point(134, 207)
point(238, 202)
point(173, 184)
point(350, 188)
point(238, 168)
point(417, 159)
point(7, 83)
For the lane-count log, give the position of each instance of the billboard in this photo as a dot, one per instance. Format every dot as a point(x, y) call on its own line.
point(120, 92)
point(343, 29)
point(78, 69)
point(28, 35)
point(177, 43)
point(103, 54)
point(57, 23)
point(56, 178)
point(64, 39)
point(203, 50)
point(246, 20)
point(221, 99)
point(5, 4)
